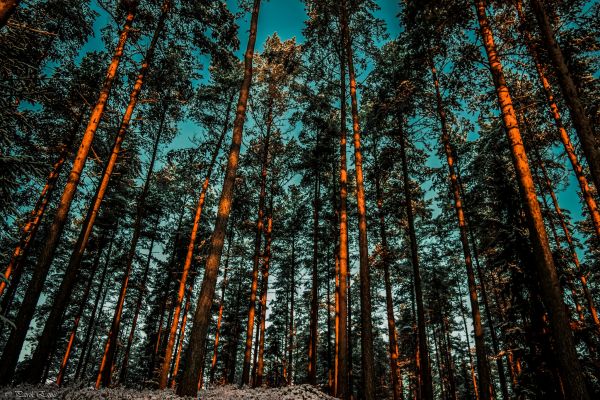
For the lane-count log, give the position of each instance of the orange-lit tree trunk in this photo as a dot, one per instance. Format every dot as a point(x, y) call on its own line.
point(16, 339)
point(138, 307)
point(166, 365)
point(257, 247)
point(105, 371)
point(265, 291)
point(14, 268)
point(368, 363)
point(586, 192)
point(292, 326)
point(566, 355)
point(389, 302)
point(186, 310)
point(448, 357)
point(558, 242)
point(78, 314)
point(91, 326)
point(581, 122)
point(7, 9)
point(425, 386)
point(230, 361)
point(314, 293)
point(213, 364)
point(471, 361)
point(484, 294)
point(194, 359)
point(62, 297)
point(483, 371)
point(569, 239)
point(166, 296)
point(341, 306)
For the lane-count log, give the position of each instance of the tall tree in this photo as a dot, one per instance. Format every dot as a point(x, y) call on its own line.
point(13, 348)
point(575, 386)
point(365, 280)
point(194, 358)
point(583, 126)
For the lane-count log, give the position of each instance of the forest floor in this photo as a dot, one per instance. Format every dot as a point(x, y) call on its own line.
point(300, 392)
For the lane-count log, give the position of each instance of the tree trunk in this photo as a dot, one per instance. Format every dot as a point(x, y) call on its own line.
point(569, 239)
point(314, 294)
point(78, 314)
point(575, 386)
point(483, 371)
point(424, 370)
point(471, 362)
point(164, 372)
point(61, 300)
point(389, 302)
point(14, 268)
point(194, 358)
point(265, 291)
point(484, 295)
point(138, 307)
point(341, 325)
point(586, 191)
point(448, 357)
point(229, 371)
point(368, 363)
point(257, 247)
point(292, 305)
point(166, 296)
point(16, 339)
point(181, 337)
point(581, 122)
point(213, 364)
point(92, 321)
point(7, 9)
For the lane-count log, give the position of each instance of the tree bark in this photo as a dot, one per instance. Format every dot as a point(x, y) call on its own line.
point(485, 385)
point(424, 370)
point(471, 362)
point(194, 358)
point(575, 385)
point(368, 363)
point(14, 268)
point(181, 337)
point(292, 305)
point(213, 364)
point(341, 325)
point(78, 314)
point(314, 293)
point(581, 122)
point(92, 320)
point(564, 137)
point(138, 307)
point(569, 239)
point(389, 302)
point(257, 247)
point(61, 300)
point(7, 9)
point(166, 365)
point(16, 339)
point(265, 291)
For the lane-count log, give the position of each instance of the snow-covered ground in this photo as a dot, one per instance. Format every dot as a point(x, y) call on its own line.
point(300, 392)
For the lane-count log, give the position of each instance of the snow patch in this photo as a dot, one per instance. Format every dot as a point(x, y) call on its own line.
point(228, 392)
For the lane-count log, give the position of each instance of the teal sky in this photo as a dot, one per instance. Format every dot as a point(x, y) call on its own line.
point(286, 17)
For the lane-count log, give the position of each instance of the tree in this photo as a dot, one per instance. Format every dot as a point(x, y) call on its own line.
point(567, 356)
point(194, 358)
point(11, 352)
